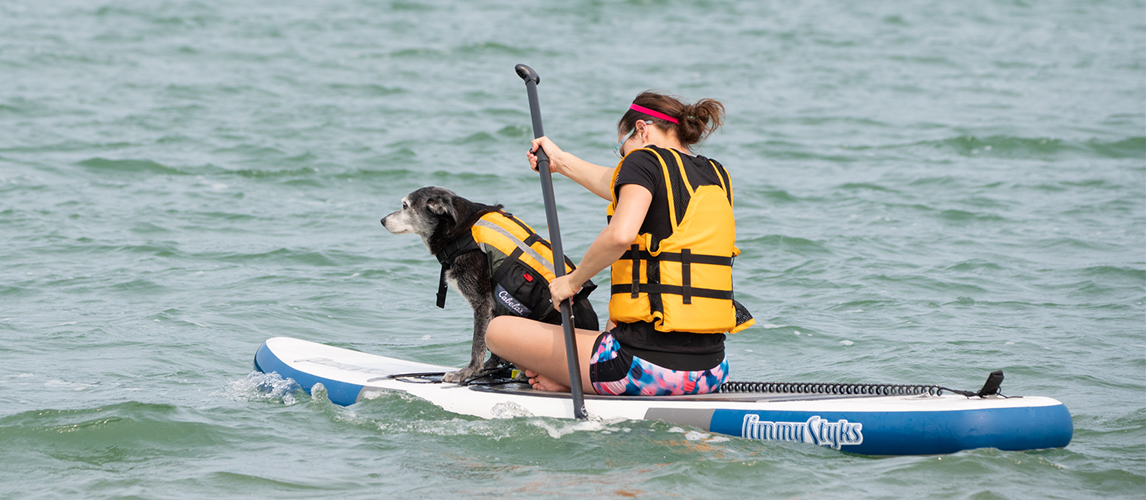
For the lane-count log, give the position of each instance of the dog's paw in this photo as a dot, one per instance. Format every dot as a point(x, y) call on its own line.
point(458, 376)
point(493, 362)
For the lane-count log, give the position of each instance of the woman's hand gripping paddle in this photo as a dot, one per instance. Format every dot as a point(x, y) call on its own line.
point(531, 80)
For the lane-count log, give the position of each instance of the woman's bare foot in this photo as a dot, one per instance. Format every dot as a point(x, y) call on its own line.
point(542, 383)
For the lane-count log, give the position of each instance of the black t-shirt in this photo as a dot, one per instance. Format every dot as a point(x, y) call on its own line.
point(673, 350)
point(642, 168)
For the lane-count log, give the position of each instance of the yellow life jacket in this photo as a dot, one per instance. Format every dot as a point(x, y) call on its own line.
point(521, 267)
point(682, 283)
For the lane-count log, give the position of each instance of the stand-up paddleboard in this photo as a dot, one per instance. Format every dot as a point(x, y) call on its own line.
point(871, 425)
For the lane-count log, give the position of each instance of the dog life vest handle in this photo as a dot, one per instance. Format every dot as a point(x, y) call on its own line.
point(531, 80)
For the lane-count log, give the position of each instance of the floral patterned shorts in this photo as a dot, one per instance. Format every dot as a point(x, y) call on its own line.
point(613, 370)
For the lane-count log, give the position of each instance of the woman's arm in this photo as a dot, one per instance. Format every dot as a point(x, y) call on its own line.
point(595, 178)
point(614, 240)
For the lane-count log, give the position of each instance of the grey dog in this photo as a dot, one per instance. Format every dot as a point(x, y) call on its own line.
point(440, 217)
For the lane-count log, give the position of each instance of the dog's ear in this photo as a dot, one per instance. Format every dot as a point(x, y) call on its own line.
point(442, 206)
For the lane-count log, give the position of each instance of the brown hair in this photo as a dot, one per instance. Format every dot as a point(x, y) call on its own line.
point(697, 121)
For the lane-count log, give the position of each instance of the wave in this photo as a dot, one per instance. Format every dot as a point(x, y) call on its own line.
point(796, 245)
point(123, 432)
point(975, 265)
point(867, 186)
point(1111, 273)
point(491, 48)
point(294, 256)
point(129, 166)
point(1003, 146)
point(997, 146)
point(955, 215)
point(365, 89)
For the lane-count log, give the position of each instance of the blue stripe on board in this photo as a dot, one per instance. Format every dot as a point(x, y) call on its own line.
point(905, 433)
point(340, 393)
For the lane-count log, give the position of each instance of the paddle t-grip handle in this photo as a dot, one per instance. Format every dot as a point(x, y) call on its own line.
point(531, 80)
point(526, 73)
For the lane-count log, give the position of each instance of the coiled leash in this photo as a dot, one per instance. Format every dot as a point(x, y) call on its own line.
point(991, 388)
point(508, 374)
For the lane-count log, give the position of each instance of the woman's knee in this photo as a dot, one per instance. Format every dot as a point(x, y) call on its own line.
point(504, 332)
point(497, 333)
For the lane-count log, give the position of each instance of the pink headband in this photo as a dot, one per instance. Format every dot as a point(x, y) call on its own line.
point(654, 114)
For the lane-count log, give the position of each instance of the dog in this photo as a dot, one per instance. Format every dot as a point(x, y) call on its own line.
point(442, 218)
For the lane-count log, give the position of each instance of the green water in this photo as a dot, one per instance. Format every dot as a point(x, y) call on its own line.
point(926, 191)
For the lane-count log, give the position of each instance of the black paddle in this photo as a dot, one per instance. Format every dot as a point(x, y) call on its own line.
point(531, 80)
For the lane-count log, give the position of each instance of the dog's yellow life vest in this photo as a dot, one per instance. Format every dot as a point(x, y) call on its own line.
point(682, 283)
point(520, 263)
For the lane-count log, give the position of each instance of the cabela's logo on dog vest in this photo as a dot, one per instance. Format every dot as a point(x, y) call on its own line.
point(507, 299)
point(682, 283)
point(520, 263)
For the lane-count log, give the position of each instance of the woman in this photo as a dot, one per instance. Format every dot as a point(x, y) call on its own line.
point(670, 240)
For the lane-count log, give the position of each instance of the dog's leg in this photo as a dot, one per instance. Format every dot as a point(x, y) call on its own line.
point(482, 315)
point(470, 275)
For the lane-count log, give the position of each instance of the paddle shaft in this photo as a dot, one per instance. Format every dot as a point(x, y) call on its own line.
point(531, 80)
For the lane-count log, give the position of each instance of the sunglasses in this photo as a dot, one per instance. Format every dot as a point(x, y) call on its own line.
point(617, 150)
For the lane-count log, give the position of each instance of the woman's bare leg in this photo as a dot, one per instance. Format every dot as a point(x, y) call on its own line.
point(539, 349)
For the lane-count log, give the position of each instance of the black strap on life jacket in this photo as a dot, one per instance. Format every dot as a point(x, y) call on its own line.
point(462, 245)
point(656, 289)
point(695, 258)
point(686, 259)
point(686, 275)
point(499, 274)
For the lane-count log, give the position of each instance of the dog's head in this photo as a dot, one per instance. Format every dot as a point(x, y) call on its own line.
point(422, 212)
point(434, 213)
